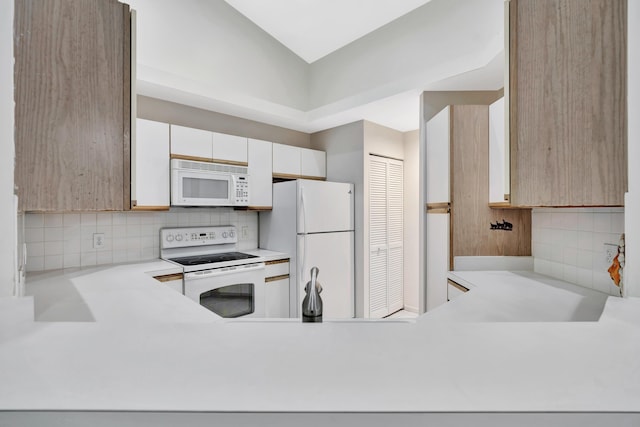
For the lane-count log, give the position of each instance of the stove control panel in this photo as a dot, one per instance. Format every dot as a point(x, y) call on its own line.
point(197, 236)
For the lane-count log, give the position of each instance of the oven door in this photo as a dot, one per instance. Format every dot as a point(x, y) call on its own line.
point(236, 291)
point(205, 188)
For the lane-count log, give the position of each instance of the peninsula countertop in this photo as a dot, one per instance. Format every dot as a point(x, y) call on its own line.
point(205, 364)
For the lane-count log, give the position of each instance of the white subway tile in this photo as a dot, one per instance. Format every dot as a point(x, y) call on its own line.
point(570, 274)
point(133, 230)
point(86, 246)
point(35, 263)
point(119, 218)
point(119, 231)
point(88, 259)
point(617, 223)
point(146, 242)
point(613, 289)
point(72, 246)
point(133, 255)
point(53, 262)
point(133, 244)
point(119, 256)
point(71, 260)
point(585, 259)
point(104, 218)
point(88, 219)
point(33, 235)
point(53, 220)
point(585, 221)
point(87, 232)
point(602, 223)
point(53, 234)
point(71, 219)
point(35, 249)
point(72, 232)
point(104, 257)
point(570, 256)
point(119, 244)
point(585, 240)
point(557, 270)
point(569, 238)
point(585, 277)
point(32, 220)
point(53, 248)
point(134, 218)
point(148, 253)
point(601, 281)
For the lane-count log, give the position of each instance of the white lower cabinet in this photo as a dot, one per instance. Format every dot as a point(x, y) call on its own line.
point(150, 166)
point(277, 288)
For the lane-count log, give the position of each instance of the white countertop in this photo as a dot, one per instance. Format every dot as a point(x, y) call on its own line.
point(200, 364)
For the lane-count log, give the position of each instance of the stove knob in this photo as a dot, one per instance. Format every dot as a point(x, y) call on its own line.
point(179, 237)
point(232, 234)
point(224, 235)
point(169, 237)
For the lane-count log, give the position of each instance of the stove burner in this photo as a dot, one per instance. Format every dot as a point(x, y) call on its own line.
point(211, 258)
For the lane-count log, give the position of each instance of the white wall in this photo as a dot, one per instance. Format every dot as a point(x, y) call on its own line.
point(632, 201)
point(568, 244)
point(56, 240)
point(208, 49)
point(441, 39)
point(411, 220)
point(7, 216)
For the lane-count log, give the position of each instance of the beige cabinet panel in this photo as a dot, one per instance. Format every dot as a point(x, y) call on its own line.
point(72, 112)
point(568, 111)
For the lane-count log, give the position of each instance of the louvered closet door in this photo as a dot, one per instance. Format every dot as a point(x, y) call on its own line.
point(385, 236)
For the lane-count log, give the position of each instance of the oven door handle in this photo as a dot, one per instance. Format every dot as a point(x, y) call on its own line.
point(217, 272)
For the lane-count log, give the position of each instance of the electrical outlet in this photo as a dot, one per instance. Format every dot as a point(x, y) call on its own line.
point(610, 252)
point(98, 240)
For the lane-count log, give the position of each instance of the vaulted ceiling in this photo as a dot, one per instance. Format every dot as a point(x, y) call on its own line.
point(314, 64)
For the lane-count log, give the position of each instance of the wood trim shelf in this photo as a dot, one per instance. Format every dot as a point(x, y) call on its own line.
point(277, 261)
point(169, 277)
point(276, 278)
point(457, 286)
point(135, 207)
point(208, 160)
point(438, 208)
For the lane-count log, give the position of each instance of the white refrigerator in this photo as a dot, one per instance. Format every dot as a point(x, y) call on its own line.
point(313, 221)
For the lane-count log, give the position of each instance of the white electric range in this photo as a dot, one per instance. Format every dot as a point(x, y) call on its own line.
point(216, 275)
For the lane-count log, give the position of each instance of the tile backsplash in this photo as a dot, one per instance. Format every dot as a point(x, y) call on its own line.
point(65, 240)
point(568, 244)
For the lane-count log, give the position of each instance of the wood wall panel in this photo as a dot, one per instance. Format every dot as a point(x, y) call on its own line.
point(71, 139)
point(470, 213)
point(568, 102)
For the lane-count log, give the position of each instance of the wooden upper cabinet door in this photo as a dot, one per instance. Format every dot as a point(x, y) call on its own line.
point(72, 104)
point(568, 102)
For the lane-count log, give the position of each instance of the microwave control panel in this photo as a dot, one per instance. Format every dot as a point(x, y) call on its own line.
point(242, 190)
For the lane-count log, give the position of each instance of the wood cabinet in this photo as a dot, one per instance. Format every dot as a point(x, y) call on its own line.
point(72, 113)
point(277, 288)
point(291, 162)
point(454, 290)
point(150, 168)
point(567, 100)
point(172, 281)
point(206, 146)
point(386, 236)
point(459, 220)
point(260, 175)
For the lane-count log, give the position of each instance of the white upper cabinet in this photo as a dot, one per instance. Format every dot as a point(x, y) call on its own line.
point(437, 173)
point(229, 149)
point(313, 163)
point(192, 143)
point(498, 154)
point(296, 162)
point(207, 146)
point(150, 166)
point(260, 174)
point(286, 161)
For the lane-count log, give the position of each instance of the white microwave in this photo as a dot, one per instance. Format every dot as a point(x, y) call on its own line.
point(208, 184)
